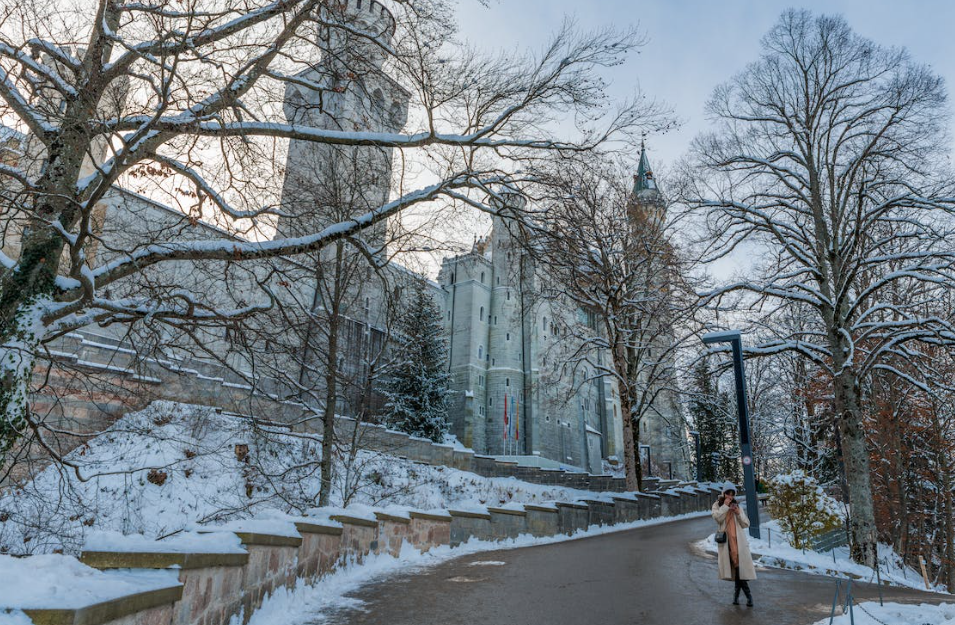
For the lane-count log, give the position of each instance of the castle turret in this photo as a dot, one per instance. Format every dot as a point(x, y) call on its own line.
point(347, 90)
point(647, 206)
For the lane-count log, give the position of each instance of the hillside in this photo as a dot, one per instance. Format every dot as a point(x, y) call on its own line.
point(160, 470)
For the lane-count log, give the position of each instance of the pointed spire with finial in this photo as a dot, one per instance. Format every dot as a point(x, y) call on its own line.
point(644, 180)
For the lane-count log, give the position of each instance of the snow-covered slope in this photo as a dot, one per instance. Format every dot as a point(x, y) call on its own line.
point(160, 470)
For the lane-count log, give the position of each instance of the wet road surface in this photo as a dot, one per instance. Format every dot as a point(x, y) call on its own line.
point(646, 576)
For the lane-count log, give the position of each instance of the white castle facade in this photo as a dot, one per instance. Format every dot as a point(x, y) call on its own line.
point(507, 345)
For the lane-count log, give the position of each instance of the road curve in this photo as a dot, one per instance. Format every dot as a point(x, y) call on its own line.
point(646, 576)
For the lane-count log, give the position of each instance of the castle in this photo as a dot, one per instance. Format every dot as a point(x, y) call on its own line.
point(506, 344)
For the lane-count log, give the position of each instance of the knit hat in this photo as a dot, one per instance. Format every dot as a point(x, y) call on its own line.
point(729, 486)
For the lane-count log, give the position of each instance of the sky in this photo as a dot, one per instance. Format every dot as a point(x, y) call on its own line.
point(694, 45)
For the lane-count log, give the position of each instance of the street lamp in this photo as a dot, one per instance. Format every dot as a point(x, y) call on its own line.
point(749, 481)
point(696, 445)
point(649, 464)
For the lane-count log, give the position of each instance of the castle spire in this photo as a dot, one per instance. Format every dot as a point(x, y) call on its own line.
point(644, 180)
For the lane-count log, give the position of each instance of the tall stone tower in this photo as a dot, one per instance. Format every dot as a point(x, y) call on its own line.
point(506, 336)
point(662, 428)
point(347, 91)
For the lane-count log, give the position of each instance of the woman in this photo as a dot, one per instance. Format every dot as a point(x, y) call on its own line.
point(735, 560)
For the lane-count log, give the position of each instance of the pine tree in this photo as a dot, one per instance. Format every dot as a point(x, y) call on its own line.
point(709, 410)
point(417, 389)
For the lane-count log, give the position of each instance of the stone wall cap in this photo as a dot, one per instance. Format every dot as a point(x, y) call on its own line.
point(541, 507)
point(599, 502)
point(568, 504)
point(394, 518)
point(353, 520)
point(432, 515)
point(106, 611)
point(271, 540)
point(470, 514)
point(159, 560)
point(318, 527)
point(511, 511)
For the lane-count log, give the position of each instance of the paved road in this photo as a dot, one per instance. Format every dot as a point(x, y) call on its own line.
point(647, 576)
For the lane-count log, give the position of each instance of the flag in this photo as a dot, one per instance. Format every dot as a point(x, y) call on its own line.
point(506, 430)
point(517, 419)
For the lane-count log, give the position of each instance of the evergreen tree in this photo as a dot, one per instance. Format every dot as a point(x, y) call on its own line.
point(417, 389)
point(709, 410)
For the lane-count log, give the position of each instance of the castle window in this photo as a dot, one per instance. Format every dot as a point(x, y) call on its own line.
point(451, 280)
point(480, 351)
point(508, 295)
point(495, 319)
point(492, 361)
point(482, 313)
point(449, 315)
point(499, 279)
point(490, 401)
point(507, 381)
point(482, 277)
point(507, 337)
point(547, 418)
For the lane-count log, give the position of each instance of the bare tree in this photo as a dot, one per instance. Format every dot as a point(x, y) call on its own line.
point(607, 248)
point(822, 166)
point(187, 97)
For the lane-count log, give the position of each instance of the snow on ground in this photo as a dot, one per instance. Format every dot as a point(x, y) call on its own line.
point(312, 602)
point(58, 581)
point(871, 613)
point(159, 471)
point(775, 550)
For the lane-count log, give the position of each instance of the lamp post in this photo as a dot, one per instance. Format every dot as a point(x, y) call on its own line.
point(696, 456)
point(649, 464)
point(735, 340)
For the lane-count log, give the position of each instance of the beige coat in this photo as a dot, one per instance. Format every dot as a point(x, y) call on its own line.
point(746, 569)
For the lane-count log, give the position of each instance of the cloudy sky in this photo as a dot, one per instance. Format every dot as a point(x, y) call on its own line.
point(693, 45)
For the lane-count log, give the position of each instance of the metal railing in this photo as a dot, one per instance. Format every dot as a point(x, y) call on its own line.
point(830, 540)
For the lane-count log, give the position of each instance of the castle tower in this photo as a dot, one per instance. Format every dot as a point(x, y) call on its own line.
point(506, 392)
point(346, 91)
point(662, 427)
point(467, 280)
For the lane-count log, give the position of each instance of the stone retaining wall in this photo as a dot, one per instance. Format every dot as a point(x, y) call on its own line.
point(215, 587)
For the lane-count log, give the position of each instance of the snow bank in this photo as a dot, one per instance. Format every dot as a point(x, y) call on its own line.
point(184, 542)
point(871, 613)
point(58, 581)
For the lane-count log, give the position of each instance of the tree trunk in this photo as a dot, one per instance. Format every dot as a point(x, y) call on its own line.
point(331, 380)
point(626, 407)
point(856, 461)
point(24, 296)
point(328, 417)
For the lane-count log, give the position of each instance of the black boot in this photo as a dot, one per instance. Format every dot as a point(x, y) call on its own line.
point(749, 595)
point(736, 595)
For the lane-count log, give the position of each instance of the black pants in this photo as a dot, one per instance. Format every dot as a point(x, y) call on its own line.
point(741, 584)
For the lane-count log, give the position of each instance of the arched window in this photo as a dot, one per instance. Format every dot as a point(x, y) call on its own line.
point(482, 313)
point(480, 351)
point(482, 277)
